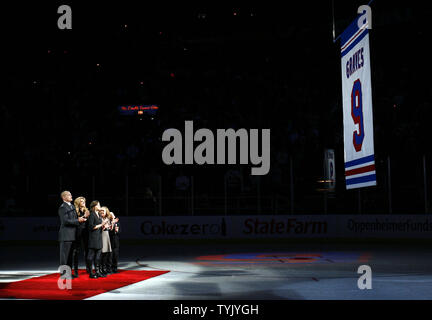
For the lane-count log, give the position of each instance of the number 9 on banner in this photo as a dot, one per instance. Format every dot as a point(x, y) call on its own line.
point(357, 114)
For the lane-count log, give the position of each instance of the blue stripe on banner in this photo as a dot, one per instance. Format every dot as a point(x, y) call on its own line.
point(371, 177)
point(359, 161)
point(357, 40)
point(351, 30)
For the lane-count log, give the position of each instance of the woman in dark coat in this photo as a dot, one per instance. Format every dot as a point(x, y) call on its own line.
point(95, 226)
point(81, 239)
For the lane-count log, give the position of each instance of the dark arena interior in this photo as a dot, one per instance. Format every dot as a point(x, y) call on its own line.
point(220, 138)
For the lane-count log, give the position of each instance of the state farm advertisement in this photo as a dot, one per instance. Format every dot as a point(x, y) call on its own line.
point(237, 227)
point(282, 226)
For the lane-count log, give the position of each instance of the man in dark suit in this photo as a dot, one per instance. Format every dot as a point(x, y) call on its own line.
point(69, 223)
point(95, 240)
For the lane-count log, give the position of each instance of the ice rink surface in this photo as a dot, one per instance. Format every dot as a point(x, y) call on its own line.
point(249, 271)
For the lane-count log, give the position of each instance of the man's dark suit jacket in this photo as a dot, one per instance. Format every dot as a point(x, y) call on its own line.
point(68, 222)
point(95, 236)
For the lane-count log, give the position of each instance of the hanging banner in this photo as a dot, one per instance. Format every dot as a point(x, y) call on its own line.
point(329, 170)
point(357, 107)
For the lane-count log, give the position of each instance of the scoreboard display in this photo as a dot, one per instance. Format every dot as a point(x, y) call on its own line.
point(138, 110)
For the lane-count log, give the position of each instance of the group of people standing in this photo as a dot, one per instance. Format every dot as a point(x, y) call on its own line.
point(94, 232)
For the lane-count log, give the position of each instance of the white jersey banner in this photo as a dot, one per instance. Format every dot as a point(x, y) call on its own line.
point(357, 107)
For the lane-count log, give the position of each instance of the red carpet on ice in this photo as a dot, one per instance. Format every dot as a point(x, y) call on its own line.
point(46, 287)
